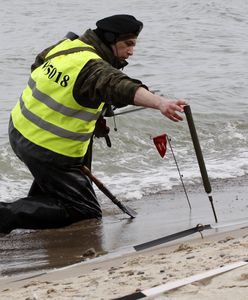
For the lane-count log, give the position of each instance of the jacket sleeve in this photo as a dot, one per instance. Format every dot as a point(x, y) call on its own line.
point(100, 82)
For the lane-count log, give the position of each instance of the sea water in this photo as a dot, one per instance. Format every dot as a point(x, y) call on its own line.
point(195, 50)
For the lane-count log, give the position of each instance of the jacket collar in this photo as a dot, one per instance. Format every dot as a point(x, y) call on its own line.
point(89, 37)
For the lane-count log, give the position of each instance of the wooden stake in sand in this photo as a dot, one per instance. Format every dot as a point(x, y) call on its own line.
point(199, 156)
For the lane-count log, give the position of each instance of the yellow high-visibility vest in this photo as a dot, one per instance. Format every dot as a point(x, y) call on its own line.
point(47, 113)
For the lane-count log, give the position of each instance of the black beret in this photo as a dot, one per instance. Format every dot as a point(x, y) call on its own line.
point(120, 25)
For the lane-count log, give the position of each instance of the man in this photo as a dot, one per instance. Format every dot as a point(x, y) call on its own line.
point(52, 125)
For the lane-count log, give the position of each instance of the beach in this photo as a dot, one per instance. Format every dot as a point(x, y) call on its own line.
point(193, 50)
point(130, 273)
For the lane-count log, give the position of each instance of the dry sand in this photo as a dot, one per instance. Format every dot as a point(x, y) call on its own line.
point(139, 271)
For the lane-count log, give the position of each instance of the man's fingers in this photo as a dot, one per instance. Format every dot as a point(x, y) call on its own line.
point(181, 103)
point(172, 113)
point(174, 117)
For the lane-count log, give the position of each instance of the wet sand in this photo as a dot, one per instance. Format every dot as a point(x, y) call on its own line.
point(158, 215)
point(94, 245)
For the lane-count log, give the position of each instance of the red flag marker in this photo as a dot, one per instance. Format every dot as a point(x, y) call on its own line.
point(160, 143)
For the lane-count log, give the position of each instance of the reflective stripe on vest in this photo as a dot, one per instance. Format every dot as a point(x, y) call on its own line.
point(83, 115)
point(52, 128)
point(47, 113)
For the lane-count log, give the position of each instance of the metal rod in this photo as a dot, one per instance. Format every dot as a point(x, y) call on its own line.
point(129, 111)
point(172, 237)
point(180, 175)
point(107, 192)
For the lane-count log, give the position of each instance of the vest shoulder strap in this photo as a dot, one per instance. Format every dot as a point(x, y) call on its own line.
point(69, 51)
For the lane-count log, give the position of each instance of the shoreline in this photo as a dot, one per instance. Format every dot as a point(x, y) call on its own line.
point(134, 272)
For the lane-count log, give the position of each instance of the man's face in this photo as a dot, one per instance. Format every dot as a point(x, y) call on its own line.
point(123, 49)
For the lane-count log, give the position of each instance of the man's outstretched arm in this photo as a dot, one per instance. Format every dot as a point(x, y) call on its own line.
point(167, 107)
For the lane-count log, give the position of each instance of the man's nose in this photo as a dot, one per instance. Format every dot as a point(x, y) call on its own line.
point(130, 51)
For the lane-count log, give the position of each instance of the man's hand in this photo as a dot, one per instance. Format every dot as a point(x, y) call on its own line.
point(169, 108)
point(101, 129)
